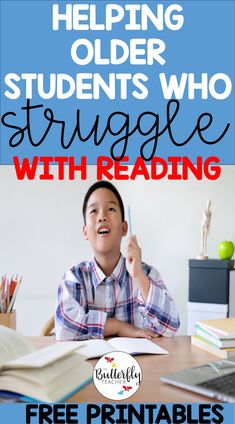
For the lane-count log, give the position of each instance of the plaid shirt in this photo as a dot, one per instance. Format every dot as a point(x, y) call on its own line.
point(86, 297)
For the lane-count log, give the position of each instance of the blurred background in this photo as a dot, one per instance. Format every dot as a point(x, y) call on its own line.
point(41, 232)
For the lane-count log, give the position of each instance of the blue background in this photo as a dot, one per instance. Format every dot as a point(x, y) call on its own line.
point(205, 43)
point(15, 413)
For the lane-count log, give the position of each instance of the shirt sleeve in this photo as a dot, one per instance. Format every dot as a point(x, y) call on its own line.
point(159, 311)
point(73, 320)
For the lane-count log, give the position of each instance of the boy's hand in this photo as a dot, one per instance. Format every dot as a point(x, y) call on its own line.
point(128, 330)
point(114, 326)
point(133, 258)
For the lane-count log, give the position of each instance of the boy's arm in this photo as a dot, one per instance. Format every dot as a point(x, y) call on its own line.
point(71, 320)
point(72, 323)
point(159, 310)
point(154, 301)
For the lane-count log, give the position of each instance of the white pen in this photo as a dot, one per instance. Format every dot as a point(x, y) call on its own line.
point(129, 221)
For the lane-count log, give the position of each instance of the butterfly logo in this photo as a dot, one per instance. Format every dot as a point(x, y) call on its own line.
point(127, 388)
point(108, 359)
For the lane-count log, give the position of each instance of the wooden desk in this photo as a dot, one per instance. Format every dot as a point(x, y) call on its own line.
point(152, 390)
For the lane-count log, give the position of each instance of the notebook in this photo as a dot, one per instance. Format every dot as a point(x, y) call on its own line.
point(96, 348)
point(215, 379)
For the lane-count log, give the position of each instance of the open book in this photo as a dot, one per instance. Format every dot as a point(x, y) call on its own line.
point(50, 374)
point(95, 348)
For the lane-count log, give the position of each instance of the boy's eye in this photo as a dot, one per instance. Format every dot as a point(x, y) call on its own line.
point(92, 211)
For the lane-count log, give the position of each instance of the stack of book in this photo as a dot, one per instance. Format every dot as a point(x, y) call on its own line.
point(216, 336)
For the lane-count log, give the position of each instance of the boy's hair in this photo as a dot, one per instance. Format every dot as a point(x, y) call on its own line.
point(109, 186)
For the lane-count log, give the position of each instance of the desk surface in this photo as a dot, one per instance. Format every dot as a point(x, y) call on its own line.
point(181, 355)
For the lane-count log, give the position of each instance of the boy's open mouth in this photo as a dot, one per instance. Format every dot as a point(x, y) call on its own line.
point(103, 230)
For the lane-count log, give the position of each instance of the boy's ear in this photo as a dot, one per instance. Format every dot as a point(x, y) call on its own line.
point(124, 228)
point(84, 229)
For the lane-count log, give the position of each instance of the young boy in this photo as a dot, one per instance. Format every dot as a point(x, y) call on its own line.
point(112, 295)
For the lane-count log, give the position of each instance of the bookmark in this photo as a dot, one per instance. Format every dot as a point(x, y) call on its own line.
point(129, 221)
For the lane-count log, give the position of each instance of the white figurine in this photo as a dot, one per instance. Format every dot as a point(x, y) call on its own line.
point(206, 219)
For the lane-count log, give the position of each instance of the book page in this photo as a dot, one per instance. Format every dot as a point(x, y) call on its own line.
point(12, 345)
point(94, 348)
point(65, 385)
point(45, 356)
point(43, 375)
point(136, 346)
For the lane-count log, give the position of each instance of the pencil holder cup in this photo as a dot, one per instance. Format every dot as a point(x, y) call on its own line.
point(8, 319)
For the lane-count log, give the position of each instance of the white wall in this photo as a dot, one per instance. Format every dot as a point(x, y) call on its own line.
point(41, 237)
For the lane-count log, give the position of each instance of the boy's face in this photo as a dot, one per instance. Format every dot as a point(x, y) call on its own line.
point(104, 227)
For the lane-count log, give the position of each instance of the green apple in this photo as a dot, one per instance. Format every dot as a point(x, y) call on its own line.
point(226, 250)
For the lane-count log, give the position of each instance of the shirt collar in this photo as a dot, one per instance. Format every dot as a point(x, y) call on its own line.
point(118, 274)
